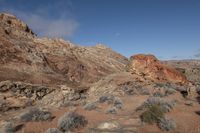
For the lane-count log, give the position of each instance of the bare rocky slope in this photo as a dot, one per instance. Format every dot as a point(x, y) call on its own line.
point(24, 57)
point(190, 68)
point(41, 79)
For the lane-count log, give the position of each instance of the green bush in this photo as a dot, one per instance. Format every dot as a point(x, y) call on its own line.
point(152, 114)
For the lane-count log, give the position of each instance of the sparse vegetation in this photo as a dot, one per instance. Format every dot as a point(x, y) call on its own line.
point(36, 114)
point(118, 103)
point(109, 99)
point(152, 114)
point(135, 89)
point(129, 91)
point(154, 110)
point(158, 94)
point(111, 110)
point(9, 128)
point(144, 91)
point(160, 85)
point(170, 91)
point(29, 102)
point(53, 130)
point(90, 106)
point(165, 105)
point(167, 124)
point(69, 103)
point(3, 106)
point(71, 121)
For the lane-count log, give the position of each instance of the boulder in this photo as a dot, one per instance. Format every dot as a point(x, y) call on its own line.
point(149, 66)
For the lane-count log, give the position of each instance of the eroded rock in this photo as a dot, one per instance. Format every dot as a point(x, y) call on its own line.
point(149, 66)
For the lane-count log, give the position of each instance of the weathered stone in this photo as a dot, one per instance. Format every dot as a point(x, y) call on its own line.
point(109, 125)
point(149, 66)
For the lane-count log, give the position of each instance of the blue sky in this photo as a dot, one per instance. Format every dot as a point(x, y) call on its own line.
point(170, 29)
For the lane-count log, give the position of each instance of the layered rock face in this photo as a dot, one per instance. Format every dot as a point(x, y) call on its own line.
point(24, 57)
point(13, 26)
point(149, 66)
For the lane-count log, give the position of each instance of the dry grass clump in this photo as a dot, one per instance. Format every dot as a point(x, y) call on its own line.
point(71, 121)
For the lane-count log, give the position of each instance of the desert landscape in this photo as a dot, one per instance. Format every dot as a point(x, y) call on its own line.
point(54, 86)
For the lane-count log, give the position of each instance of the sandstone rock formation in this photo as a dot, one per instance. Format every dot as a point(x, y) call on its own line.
point(149, 66)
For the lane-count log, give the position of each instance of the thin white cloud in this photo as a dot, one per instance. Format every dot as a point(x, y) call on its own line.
point(41, 21)
point(197, 55)
point(61, 27)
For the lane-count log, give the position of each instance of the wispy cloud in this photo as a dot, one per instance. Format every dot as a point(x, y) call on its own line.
point(61, 27)
point(197, 55)
point(53, 20)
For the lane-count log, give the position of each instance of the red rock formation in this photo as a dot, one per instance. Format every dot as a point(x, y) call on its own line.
point(149, 66)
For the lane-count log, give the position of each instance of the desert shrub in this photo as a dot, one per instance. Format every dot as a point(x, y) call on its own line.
point(36, 114)
point(144, 91)
point(109, 99)
point(170, 91)
point(90, 106)
point(3, 105)
point(53, 130)
point(167, 124)
point(160, 85)
point(118, 103)
point(165, 105)
point(129, 90)
point(69, 103)
point(111, 110)
point(135, 89)
point(71, 121)
point(152, 114)
point(9, 128)
point(158, 94)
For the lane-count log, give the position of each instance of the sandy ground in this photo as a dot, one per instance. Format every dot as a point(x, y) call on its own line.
point(184, 115)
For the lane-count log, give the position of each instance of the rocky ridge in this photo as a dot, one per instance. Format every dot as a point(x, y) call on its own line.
point(51, 61)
